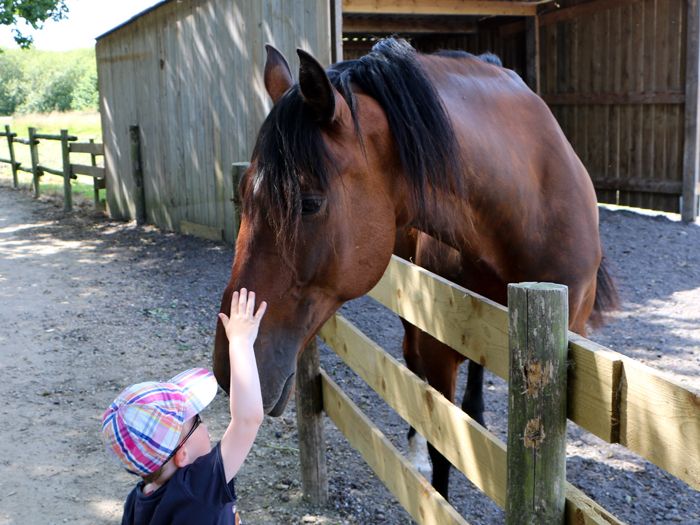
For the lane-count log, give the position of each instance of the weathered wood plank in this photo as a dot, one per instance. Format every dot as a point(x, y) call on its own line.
point(593, 400)
point(201, 230)
point(229, 91)
point(661, 118)
point(614, 86)
point(52, 171)
point(172, 128)
point(87, 147)
point(337, 27)
point(91, 171)
point(596, 123)
point(582, 9)
point(473, 325)
point(45, 136)
point(669, 187)
point(649, 135)
point(217, 184)
point(106, 93)
point(532, 54)
point(440, 7)
point(691, 140)
point(636, 144)
point(674, 128)
point(146, 70)
point(561, 99)
point(378, 26)
point(660, 421)
point(471, 448)
point(137, 172)
point(582, 510)
point(410, 488)
point(626, 111)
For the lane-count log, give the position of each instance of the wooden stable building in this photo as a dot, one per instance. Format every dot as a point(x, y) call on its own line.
point(621, 77)
point(189, 74)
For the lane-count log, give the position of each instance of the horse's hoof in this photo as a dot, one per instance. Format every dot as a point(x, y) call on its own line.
point(418, 455)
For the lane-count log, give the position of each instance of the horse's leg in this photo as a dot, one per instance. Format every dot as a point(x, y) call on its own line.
point(473, 400)
point(417, 444)
point(441, 365)
point(580, 310)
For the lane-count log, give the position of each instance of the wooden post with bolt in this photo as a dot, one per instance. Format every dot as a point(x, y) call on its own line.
point(538, 341)
point(312, 443)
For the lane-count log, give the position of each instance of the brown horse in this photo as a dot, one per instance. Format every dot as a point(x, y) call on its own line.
point(456, 147)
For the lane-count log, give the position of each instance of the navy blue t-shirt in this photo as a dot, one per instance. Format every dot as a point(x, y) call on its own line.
point(197, 493)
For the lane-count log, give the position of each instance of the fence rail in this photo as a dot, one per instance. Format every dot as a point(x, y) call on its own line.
point(608, 394)
point(68, 170)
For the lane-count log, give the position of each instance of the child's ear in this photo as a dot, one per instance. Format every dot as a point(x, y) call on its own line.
point(181, 458)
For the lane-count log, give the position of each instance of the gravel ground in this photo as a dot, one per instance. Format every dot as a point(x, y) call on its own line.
point(91, 305)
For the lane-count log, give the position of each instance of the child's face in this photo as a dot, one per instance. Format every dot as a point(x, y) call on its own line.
point(199, 442)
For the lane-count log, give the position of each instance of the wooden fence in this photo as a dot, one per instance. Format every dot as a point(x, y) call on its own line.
point(606, 393)
point(68, 170)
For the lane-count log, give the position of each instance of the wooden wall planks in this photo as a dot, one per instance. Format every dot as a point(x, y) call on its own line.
point(630, 50)
point(190, 75)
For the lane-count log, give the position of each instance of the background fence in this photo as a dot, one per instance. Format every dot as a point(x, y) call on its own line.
point(68, 170)
point(608, 394)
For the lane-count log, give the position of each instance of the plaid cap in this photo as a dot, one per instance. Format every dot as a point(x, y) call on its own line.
point(143, 425)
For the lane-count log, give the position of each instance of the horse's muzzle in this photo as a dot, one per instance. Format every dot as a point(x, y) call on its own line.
point(282, 402)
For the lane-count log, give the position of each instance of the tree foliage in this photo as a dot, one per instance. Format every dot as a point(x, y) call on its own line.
point(33, 12)
point(33, 81)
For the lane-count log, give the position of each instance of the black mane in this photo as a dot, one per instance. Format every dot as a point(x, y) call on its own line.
point(290, 150)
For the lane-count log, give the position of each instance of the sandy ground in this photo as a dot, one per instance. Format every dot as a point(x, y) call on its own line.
point(89, 306)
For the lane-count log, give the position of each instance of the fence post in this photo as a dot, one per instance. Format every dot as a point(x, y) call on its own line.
point(67, 188)
point(137, 168)
point(312, 443)
point(538, 340)
point(11, 147)
point(238, 170)
point(34, 154)
point(95, 185)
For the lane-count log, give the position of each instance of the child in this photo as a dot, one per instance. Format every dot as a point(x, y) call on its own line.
point(155, 430)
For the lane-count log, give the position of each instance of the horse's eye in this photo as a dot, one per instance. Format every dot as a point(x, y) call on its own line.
point(311, 205)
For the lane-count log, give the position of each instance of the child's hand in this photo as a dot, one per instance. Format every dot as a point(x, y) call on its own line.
point(242, 325)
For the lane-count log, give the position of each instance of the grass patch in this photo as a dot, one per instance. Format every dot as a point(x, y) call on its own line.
point(85, 126)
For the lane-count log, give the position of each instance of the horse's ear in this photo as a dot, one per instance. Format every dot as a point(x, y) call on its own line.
point(278, 76)
point(316, 87)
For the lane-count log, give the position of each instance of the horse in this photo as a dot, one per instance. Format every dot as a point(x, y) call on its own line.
point(456, 147)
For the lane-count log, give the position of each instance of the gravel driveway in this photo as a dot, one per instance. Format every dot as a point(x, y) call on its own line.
point(91, 305)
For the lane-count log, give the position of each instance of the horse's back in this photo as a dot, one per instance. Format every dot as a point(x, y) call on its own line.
point(508, 134)
point(534, 209)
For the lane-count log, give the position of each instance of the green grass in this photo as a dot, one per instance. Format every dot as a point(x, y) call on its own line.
point(85, 126)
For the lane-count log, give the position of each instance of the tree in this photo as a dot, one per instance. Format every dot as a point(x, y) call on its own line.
point(33, 12)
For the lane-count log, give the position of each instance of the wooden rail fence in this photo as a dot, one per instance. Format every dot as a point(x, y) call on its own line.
point(68, 170)
point(606, 393)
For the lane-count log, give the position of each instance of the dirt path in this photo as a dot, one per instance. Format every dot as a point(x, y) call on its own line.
point(89, 305)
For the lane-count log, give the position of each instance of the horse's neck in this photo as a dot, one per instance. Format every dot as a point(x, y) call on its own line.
point(447, 219)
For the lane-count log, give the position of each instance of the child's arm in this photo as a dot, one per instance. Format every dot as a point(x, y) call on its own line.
point(246, 400)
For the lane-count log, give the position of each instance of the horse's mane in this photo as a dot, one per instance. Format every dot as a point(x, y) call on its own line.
point(290, 150)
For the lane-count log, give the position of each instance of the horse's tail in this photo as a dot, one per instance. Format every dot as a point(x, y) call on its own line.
point(607, 296)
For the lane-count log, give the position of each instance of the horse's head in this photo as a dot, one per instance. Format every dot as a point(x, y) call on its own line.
point(319, 216)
